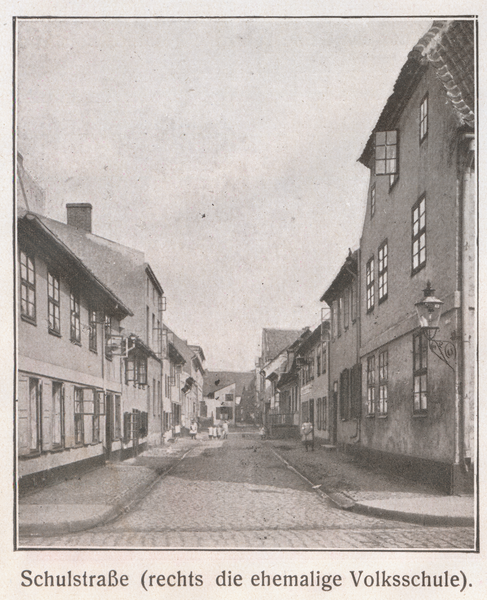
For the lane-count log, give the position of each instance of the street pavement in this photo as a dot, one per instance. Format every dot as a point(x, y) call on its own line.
point(239, 493)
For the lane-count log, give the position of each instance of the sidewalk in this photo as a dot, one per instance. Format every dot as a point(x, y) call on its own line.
point(353, 485)
point(97, 496)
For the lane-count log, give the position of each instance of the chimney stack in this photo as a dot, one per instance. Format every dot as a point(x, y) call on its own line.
point(79, 215)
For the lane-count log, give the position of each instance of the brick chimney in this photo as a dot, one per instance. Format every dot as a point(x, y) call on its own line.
point(79, 215)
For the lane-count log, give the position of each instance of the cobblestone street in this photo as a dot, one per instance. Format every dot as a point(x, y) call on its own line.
point(238, 494)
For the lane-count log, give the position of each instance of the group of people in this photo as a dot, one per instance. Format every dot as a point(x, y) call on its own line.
point(218, 431)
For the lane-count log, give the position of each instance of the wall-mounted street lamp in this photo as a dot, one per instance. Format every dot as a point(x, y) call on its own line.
point(429, 313)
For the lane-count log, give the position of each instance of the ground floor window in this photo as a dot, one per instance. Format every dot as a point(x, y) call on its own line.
point(176, 414)
point(371, 385)
point(58, 415)
point(383, 376)
point(79, 429)
point(420, 374)
point(117, 417)
point(35, 414)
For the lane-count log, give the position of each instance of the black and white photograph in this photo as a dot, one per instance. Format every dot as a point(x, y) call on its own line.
point(246, 284)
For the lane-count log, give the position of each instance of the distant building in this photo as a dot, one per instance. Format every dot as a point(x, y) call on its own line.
point(223, 393)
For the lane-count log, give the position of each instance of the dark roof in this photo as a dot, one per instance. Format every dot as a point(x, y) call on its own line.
point(217, 380)
point(449, 47)
point(32, 228)
point(274, 341)
point(314, 338)
point(345, 276)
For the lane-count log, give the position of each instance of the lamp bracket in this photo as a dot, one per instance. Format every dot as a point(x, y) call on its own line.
point(444, 350)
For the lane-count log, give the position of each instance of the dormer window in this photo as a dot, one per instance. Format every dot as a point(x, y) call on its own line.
point(386, 162)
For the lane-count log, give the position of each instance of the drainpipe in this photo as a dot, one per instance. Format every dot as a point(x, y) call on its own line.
point(466, 275)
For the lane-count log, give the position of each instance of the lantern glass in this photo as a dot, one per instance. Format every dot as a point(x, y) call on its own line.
point(429, 310)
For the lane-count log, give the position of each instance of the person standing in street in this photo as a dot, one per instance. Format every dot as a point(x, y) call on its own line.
point(225, 430)
point(307, 435)
point(193, 430)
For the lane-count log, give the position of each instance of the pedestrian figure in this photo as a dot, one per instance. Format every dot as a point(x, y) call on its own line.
point(193, 430)
point(225, 430)
point(263, 432)
point(307, 435)
point(219, 431)
point(210, 432)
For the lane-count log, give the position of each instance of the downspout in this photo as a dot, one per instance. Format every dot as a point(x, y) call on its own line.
point(465, 341)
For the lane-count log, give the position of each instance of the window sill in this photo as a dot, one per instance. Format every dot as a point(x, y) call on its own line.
point(371, 416)
point(420, 415)
point(30, 456)
point(94, 350)
point(383, 299)
point(30, 320)
point(57, 449)
point(382, 416)
point(417, 269)
point(75, 342)
point(54, 332)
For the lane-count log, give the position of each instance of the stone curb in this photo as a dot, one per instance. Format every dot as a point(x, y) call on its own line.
point(128, 501)
point(410, 517)
point(344, 502)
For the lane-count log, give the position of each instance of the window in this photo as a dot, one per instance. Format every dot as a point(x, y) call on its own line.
point(345, 394)
point(108, 335)
point(420, 373)
point(372, 200)
point(423, 119)
point(117, 418)
point(159, 397)
point(136, 370)
point(339, 316)
point(346, 308)
point(383, 376)
point(93, 331)
point(419, 235)
point(324, 419)
point(382, 258)
point(371, 385)
point(75, 326)
point(35, 415)
point(53, 304)
point(353, 302)
point(27, 287)
point(318, 363)
point(79, 425)
point(386, 152)
point(369, 283)
point(98, 410)
point(58, 423)
point(311, 362)
point(334, 319)
point(323, 355)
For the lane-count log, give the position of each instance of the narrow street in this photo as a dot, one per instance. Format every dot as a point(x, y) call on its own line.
point(239, 494)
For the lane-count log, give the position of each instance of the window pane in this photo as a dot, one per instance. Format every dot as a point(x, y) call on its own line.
point(392, 137)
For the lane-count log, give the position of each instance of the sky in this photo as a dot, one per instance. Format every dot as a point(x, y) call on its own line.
point(225, 149)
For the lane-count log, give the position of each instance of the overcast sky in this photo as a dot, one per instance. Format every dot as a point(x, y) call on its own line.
point(225, 149)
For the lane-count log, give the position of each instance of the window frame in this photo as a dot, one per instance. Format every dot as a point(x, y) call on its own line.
point(79, 417)
point(383, 406)
point(418, 235)
point(423, 118)
point(382, 265)
point(54, 303)
point(370, 284)
point(390, 158)
point(58, 418)
point(93, 331)
point(75, 316)
point(420, 374)
point(371, 396)
point(29, 298)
